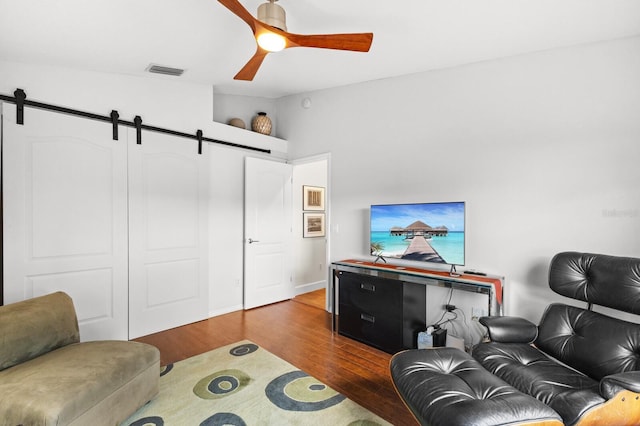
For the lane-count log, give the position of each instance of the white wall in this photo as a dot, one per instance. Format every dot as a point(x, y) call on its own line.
point(544, 149)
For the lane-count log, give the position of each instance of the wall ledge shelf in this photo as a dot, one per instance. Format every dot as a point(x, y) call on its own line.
point(250, 138)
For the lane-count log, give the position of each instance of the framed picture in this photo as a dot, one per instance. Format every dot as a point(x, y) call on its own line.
point(312, 198)
point(313, 225)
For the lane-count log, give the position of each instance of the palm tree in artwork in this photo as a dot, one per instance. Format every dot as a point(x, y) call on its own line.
point(376, 248)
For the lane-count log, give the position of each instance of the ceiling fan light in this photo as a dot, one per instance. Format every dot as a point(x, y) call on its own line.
point(272, 14)
point(271, 41)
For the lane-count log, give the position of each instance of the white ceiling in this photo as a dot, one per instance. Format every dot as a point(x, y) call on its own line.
point(212, 44)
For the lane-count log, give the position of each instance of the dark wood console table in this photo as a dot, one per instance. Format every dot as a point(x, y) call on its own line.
point(384, 305)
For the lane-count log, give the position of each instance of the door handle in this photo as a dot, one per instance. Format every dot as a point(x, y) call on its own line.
point(250, 241)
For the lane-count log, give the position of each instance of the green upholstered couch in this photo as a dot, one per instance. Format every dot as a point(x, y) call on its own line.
point(48, 377)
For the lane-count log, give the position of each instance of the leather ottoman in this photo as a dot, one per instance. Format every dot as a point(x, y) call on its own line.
point(447, 387)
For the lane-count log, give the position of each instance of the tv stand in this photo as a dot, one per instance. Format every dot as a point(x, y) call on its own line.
point(380, 257)
point(453, 271)
point(384, 305)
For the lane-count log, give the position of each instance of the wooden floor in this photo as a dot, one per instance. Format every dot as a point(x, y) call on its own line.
point(298, 331)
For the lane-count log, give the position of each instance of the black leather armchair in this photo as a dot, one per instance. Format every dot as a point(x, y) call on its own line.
point(581, 364)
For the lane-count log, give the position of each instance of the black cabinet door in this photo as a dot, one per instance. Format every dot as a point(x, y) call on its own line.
point(414, 312)
point(370, 310)
point(376, 330)
point(373, 294)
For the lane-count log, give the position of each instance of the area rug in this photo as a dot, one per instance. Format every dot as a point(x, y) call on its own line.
point(243, 384)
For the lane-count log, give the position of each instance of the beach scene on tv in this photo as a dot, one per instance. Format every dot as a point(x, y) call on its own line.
point(427, 232)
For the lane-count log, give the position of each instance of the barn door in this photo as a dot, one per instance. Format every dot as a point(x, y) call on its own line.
point(65, 216)
point(168, 187)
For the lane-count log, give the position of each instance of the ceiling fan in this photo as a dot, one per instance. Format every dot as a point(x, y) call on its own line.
point(270, 32)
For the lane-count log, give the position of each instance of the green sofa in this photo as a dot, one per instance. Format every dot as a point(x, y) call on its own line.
point(48, 377)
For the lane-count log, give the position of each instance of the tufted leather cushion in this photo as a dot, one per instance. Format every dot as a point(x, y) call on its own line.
point(445, 386)
point(579, 361)
point(523, 366)
point(593, 346)
point(599, 279)
point(510, 329)
point(592, 343)
point(611, 385)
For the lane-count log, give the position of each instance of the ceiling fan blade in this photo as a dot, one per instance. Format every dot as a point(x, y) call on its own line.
point(240, 11)
point(358, 42)
point(251, 68)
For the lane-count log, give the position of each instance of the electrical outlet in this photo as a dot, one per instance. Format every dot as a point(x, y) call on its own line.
point(478, 312)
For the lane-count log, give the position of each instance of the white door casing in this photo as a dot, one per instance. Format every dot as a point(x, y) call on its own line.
point(168, 207)
point(65, 216)
point(268, 232)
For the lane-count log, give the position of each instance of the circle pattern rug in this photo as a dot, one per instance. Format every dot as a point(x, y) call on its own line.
point(243, 384)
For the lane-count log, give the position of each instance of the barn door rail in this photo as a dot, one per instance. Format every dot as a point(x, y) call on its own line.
point(20, 99)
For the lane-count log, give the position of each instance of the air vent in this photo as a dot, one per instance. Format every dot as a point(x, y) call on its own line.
point(159, 69)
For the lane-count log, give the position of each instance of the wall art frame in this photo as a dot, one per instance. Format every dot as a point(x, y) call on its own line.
point(313, 225)
point(313, 198)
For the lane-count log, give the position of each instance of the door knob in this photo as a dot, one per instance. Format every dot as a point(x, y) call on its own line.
point(250, 240)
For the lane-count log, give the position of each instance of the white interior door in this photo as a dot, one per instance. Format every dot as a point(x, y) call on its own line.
point(168, 278)
point(65, 216)
point(268, 233)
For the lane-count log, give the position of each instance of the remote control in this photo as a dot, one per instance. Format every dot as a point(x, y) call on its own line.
point(475, 273)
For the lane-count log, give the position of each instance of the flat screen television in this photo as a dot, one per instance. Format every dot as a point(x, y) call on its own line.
point(423, 232)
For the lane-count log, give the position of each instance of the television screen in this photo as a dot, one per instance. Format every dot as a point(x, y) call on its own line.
point(425, 232)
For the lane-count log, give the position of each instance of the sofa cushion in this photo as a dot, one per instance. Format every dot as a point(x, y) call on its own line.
point(590, 342)
point(525, 367)
point(62, 385)
point(36, 326)
point(445, 386)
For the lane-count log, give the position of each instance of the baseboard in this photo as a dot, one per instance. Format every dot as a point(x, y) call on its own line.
point(306, 288)
point(227, 310)
point(301, 289)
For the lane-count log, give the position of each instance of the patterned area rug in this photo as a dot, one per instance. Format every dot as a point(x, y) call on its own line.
point(243, 384)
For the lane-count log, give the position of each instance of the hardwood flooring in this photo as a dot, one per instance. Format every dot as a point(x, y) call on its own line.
point(298, 331)
point(313, 298)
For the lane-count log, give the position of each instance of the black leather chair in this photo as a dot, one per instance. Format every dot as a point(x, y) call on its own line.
point(578, 363)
